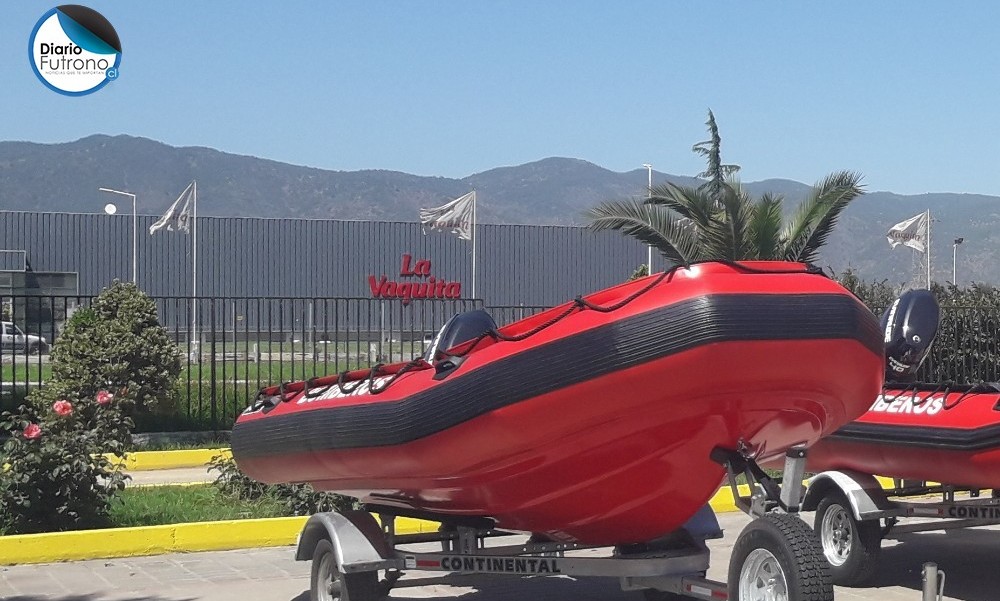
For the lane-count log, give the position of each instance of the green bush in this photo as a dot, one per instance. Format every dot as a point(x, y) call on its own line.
point(967, 347)
point(640, 272)
point(876, 295)
point(57, 479)
point(298, 499)
point(117, 343)
point(112, 359)
point(12, 397)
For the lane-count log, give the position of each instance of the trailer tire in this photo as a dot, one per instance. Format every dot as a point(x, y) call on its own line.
point(850, 546)
point(327, 583)
point(778, 557)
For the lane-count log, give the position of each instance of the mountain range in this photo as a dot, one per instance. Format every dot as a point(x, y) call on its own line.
point(66, 177)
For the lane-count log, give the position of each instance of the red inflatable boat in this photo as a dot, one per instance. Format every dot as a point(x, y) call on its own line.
point(590, 422)
point(928, 432)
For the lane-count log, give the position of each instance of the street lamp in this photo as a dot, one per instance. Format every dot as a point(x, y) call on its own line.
point(110, 210)
point(954, 260)
point(649, 194)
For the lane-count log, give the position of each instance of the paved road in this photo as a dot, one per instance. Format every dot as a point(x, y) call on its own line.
point(969, 558)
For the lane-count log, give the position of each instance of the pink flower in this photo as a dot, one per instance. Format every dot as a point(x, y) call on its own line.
point(63, 408)
point(32, 432)
point(104, 398)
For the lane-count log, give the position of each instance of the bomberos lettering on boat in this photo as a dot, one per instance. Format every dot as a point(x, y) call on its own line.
point(422, 284)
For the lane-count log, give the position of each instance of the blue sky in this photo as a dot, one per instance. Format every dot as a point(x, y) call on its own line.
point(907, 94)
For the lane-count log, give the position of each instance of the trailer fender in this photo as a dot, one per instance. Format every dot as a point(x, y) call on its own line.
point(863, 492)
point(355, 535)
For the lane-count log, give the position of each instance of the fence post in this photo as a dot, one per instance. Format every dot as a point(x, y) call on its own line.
point(211, 358)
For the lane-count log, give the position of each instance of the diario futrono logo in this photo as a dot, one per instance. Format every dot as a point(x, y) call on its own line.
point(74, 50)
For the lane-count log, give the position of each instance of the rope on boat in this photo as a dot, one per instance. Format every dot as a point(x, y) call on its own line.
point(348, 389)
point(416, 363)
point(915, 388)
point(287, 390)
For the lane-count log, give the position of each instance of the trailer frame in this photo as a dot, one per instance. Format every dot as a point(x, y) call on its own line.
point(358, 558)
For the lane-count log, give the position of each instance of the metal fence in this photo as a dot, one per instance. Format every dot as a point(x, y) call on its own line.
point(231, 347)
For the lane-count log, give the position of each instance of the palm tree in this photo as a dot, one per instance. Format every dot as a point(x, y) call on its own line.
point(720, 220)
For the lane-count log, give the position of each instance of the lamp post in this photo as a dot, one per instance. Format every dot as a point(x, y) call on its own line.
point(649, 194)
point(954, 260)
point(135, 232)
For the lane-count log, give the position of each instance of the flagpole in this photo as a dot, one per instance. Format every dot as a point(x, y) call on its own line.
point(928, 249)
point(194, 265)
point(474, 244)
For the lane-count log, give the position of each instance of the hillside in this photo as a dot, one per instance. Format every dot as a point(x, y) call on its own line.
point(65, 177)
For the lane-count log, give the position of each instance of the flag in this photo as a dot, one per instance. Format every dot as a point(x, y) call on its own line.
point(178, 216)
point(455, 216)
point(912, 233)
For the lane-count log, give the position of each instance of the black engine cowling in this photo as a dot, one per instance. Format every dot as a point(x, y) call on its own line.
point(910, 325)
point(460, 328)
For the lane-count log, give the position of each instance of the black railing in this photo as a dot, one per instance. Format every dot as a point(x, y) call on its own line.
point(231, 347)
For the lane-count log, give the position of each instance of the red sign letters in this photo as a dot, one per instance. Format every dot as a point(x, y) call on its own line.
point(427, 286)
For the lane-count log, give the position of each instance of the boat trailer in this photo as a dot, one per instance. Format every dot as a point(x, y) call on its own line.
point(776, 556)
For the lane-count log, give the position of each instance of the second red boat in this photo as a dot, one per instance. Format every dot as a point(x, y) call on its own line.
point(929, 432)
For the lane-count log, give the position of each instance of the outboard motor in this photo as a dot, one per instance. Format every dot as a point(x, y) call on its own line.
point(910, 325)
point(460, 328)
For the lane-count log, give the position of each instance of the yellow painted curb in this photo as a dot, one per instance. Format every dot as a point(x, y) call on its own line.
point(167, 460)
point(155, 540)
point(723, 502)
point(197, 536)
point(886, 483)
point(206, 536)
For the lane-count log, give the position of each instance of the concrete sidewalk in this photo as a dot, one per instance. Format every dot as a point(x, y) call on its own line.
point(187, 475)
point(969, 558)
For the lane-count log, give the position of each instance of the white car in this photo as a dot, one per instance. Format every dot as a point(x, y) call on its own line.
point(12, 339)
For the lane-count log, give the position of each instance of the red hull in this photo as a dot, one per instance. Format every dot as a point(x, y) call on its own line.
point(585, 452)
point(926, 433)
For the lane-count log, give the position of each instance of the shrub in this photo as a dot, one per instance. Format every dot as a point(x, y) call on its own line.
point(57, 480)
point(118, 344)
point(112, 358)
point(877, 295)
point(967, 347)
point(298, 499)
point(640, 272)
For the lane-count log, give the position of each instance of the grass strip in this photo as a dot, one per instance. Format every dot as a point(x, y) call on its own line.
point(157, 505)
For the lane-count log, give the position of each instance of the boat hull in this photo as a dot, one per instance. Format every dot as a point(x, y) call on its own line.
point(926, 433)
point(600, 430)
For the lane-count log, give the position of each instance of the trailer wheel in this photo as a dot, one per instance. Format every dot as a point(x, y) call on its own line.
point(851, 547)
point(778, 558)
point(329, 584)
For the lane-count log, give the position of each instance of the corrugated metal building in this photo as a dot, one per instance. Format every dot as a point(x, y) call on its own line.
point(246, 257)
